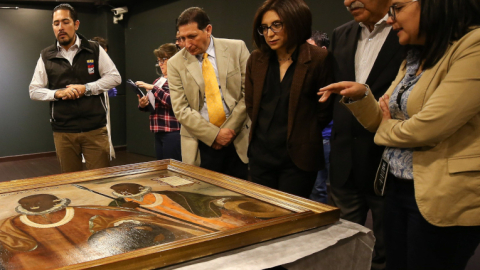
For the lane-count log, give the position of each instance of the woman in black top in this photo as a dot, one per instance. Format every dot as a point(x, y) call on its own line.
point(282, 78)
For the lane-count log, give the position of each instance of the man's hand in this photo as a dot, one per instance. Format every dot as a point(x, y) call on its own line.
point(72, 92)
point(216, 146)
point(142, 102)
point(64, 94)
point(79, 88)
point(225, 136)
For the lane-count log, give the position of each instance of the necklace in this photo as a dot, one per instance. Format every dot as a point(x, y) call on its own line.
point(286, 59)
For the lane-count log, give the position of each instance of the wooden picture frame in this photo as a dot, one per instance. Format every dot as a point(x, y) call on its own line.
point(298, 214)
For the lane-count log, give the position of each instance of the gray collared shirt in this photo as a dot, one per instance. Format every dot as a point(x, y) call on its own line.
point(212, 59)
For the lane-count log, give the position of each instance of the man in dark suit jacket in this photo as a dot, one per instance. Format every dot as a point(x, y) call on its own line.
point(366, 51)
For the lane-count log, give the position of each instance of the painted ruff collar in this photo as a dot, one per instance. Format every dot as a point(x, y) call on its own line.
point(137, 197)
point(61, 205)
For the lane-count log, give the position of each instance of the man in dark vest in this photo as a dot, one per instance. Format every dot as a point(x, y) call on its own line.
point(73, 74)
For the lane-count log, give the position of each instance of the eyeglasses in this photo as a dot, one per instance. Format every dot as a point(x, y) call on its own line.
point(162, 61)
point(394, 9)
point(275, 27)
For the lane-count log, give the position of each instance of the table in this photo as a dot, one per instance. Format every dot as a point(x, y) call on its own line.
point(341, 246)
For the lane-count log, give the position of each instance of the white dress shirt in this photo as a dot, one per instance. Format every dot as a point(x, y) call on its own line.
point(212, 59)
point(108, 72)
point(368, 47)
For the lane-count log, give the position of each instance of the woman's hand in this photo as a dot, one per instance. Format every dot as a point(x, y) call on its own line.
point(147, 86)
point(384, 107)
point(352, 90)
point(142, 102)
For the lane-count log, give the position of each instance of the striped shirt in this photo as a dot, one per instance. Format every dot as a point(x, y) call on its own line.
point(162, 119)
point(368, 47)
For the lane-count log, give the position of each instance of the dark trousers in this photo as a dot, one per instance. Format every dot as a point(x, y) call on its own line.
point(413, 243)
point(287, 177)
point(167, 145)
point(225, 160)
point(354, 205)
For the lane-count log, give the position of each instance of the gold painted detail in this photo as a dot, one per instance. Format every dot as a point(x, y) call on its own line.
point(255, 208)
point(70, 212)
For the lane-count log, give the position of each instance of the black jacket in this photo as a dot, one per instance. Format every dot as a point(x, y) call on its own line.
point(354, 158)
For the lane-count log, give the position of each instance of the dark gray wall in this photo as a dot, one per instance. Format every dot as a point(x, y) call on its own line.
point(152, 23)
point(25, 126)
point(115, 33)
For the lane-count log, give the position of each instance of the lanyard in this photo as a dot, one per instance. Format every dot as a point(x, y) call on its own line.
point(400, 94)
point(405, 87)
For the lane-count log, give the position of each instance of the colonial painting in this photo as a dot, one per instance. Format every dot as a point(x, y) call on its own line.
point(145, 215)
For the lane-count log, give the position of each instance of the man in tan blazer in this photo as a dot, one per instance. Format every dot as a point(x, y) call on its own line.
point(212, 137)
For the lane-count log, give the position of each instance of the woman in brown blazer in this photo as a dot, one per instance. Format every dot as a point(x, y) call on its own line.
point(281, 82)
point(429, 121)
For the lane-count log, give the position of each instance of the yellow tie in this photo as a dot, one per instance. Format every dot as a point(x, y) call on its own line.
point(216, 114)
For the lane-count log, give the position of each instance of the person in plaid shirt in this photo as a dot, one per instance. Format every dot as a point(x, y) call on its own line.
point(162, 121)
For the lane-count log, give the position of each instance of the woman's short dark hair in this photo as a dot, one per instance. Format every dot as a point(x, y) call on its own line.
point(194, 14)
point(73, 13)
point(166, 50)
point(445, 21)
point(102, 42)
point(296, 18)
point(320, 38)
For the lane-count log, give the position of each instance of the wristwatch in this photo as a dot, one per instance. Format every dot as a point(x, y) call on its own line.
point(88, 91)
point(368, 89)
